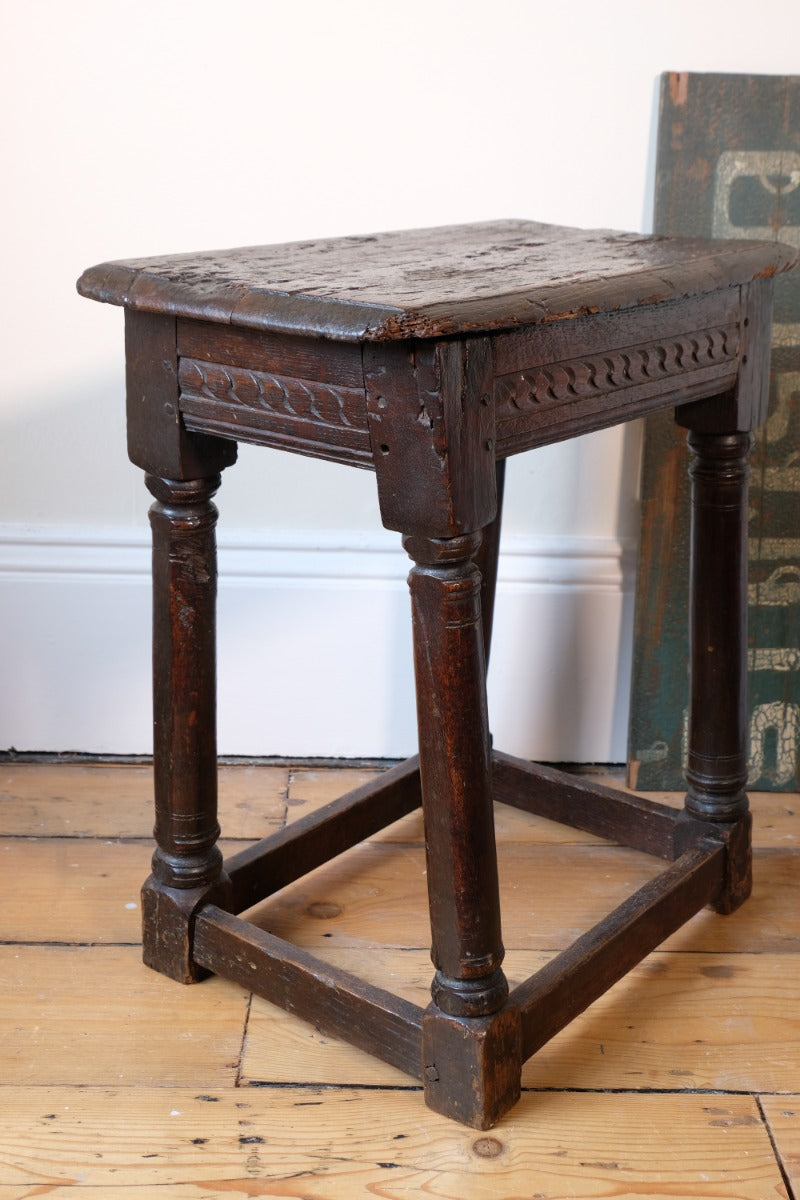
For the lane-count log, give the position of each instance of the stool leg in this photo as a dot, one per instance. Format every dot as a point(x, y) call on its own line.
point(187, 864)
point(471, 1049)
point(486, 561)
point(717, 760)
point(455, 771)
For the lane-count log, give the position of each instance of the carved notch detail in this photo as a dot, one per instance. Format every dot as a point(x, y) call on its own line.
point(282, 396)
point(602, 374)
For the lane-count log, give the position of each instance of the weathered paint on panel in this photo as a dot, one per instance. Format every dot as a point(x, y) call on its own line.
point(728, 166)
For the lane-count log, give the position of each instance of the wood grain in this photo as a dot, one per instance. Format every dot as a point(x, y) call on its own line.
point(298, 357)
point(116, 801)
point(533, 865)
point(307, 1142)
point(96, 883)
point(95, 1015)
point(376, 895)
point(577, 976)
point(617, 816)
point(338, 1002)
point(267, 866)
point(114, 1081)
point(776, 823)
point(783, 1117)
point(677, 1022)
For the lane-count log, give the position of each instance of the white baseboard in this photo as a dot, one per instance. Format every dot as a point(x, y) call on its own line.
point(314, 645)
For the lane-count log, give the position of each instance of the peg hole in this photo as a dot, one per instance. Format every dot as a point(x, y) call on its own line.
point(384, 448)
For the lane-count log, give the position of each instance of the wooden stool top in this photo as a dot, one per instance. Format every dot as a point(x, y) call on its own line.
point(431, 283)
point(426, 355)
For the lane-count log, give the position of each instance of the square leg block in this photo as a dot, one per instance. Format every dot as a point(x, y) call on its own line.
point(168, 923)
point(472, 1066)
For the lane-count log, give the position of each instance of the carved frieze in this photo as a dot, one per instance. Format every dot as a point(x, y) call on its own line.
point(603, 374)
point(257, 406)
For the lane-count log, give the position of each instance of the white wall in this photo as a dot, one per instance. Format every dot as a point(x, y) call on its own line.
point(175, 125)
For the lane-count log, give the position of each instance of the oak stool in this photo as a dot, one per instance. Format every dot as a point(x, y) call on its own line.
point(429, 357)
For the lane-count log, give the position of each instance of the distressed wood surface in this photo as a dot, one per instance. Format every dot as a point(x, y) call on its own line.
point(114, 1081)
point(157, 440)
point(596, 370)
point(728, 167)
point(425, 282)
point(455, 771)
point(432, 431)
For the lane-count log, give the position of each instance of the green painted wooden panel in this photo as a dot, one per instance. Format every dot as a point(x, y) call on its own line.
point(728, 166)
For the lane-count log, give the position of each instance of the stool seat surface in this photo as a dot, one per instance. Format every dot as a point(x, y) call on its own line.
point(435, 282)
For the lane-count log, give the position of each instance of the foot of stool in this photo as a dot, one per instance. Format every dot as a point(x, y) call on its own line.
point(168, 919)
point(737, 883)
point(738, 868)
point(472, 1066)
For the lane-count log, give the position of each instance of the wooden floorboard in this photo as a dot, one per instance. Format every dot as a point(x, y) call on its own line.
point(682, 1081)
point(782, 1114)
point(349, 1142)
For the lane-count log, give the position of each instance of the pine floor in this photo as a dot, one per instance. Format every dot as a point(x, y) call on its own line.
point(116, 1084)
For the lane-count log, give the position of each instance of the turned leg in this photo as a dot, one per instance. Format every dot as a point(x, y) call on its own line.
point(717, 752)
point(471, 1051)
point(187, 864)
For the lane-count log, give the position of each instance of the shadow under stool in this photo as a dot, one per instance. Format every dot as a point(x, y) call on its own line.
point(429, 357)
